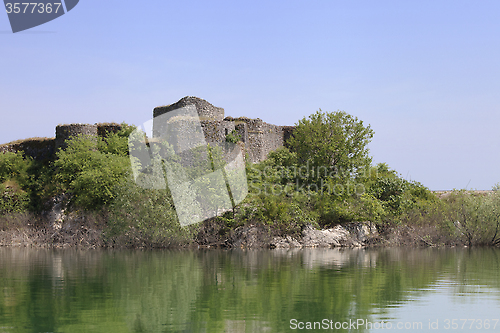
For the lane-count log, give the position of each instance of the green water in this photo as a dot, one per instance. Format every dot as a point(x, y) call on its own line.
point(424, 290)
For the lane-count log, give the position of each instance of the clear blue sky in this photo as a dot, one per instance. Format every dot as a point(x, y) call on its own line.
point(424, 74)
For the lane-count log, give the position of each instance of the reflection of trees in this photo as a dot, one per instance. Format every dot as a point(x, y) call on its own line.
point(233, 291)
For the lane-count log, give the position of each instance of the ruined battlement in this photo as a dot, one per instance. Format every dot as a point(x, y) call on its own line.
point(206, 111)
point(45, 148)
point(258, 138)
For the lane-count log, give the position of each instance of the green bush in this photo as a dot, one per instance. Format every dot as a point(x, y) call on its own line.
point(116, 143)
point(138, 216)
point(475, 217)
point(88, 173)
point(14, 182)
point(12, 198)
point(233, 137)
point(331, 142)
point(15, 166)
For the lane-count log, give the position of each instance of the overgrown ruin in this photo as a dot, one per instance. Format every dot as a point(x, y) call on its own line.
point(258, 138)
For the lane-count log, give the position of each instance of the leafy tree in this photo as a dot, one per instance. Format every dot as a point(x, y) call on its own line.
point(476, 217)
point(331, 144)
point(14, 181)
point(116, 143)
point(144, 216)
point(14, 167)
point(88, 173)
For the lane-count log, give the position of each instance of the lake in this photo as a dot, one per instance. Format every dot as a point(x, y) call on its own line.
point(321, 290)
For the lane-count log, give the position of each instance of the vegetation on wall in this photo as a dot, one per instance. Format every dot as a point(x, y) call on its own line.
point(233, 137)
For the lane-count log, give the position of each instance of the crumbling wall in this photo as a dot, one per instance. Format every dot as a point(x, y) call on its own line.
point(104, 129)
point(287, 134)
point(45, 148)
point(37, 148)
point(272, 139)
point(242, 130)
point(206, 111)
point(65, 132)
point(216, 131)
point(259, 138)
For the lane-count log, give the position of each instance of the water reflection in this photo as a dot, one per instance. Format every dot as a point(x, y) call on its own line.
point(240, 291)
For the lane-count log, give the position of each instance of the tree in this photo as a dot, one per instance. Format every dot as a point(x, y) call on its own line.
point(331, 144)
point(89, 173)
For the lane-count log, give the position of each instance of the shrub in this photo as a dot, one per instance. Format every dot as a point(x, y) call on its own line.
point(89, 174)
point(116, 143)
point(329, 142)
point(233, 137)
point(475, 217)
point(15, 166)
point(14, 181)
point(139, 216)
point(13, 198)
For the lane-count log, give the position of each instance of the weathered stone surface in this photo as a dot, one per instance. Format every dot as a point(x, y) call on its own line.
point(324, 238)
point(65, 132)
point(251, 236)
point(104, 129)
point(361, 231)
point(284, 243)
point(206, 111)
point(37, 148)
point(58, 205)
point(260, 138)
point(351, 235)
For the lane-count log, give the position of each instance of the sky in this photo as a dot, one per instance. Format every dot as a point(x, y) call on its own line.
point(425, 75)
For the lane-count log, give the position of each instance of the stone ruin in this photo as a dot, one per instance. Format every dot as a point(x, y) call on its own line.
point(257, 137)
point(45, 148)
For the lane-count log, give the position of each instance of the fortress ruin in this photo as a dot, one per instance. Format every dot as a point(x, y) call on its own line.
point(257, 137)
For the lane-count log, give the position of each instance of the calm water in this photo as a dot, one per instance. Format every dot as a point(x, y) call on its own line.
point(426, 290)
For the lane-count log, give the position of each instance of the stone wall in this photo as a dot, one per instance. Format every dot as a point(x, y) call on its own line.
point(37, 148)
point(65, 132)
point(216, 131)
point(104, 129)
point(259, 138)
point(206, 111)
point(45, 148)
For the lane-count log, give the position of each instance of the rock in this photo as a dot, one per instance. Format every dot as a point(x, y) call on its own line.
point(361, 230)
point(284, 243)
point(324, 238)
point(55, 215)
point(350, 235)
point(258, 236)
point(251, 236)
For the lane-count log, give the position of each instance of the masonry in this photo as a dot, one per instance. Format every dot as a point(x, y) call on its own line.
point(45, 148)
point(258, 138)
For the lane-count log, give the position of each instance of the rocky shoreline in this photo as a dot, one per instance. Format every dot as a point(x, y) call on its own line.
point(350, 235)
point(88, 235)
point(61, 227)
